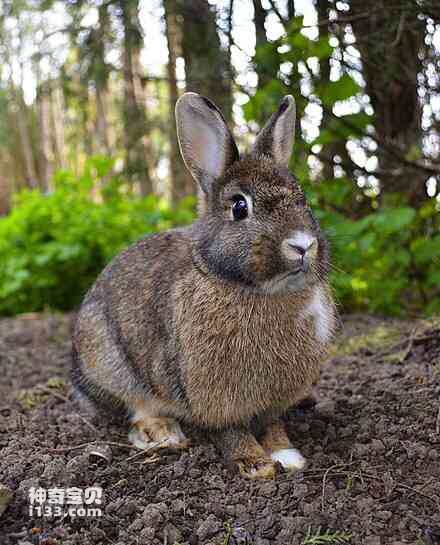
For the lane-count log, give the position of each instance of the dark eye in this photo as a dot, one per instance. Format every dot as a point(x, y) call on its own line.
point(239, 207)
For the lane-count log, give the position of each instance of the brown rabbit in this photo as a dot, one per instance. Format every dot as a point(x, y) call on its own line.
point(223, 323)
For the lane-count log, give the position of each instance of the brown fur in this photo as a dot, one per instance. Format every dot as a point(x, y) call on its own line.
point(275, 438)
point(240, 447)
point(239, 363)
point(183, 324)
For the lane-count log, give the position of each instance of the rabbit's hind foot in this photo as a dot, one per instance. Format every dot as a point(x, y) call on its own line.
point(157, 432)
point(278, 446)
point(253, 463)
point(239, 447)
point(256, 469)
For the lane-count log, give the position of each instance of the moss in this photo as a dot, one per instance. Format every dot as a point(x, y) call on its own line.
point(378, 338)
point(395, 357)
point(34, 397)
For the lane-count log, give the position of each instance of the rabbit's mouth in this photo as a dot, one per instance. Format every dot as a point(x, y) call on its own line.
point(294, 279)
point(295, 272)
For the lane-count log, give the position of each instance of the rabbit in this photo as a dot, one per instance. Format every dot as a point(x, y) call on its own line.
point(222, 324)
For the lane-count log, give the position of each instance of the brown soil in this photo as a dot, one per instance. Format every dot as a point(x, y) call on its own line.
point(372, 444)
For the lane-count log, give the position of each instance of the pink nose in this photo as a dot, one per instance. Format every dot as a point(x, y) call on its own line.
point(301, 251)
point(299, 247)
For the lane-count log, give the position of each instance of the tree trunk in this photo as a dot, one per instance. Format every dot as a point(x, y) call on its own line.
point(101, 77)
point(338, 147)
point(266, 71)
point(206, 62)
point(181, 182)
point(136, 142)
point(102, 128)
point(390, 43)
point(291, 8)
point(26, 142)
point(22, 122)
point(260, 41)
point(45, 137)
point(58, 123)
point(86, 118)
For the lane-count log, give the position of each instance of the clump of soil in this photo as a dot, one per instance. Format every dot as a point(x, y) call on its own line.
point(372, 444)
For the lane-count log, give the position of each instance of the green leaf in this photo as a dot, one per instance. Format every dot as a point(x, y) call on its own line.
point(321, 49)
point(394, 220)
point(264, 100)
point(433, 280)
point(342, 128)
point(426, 250)
point(333, 91)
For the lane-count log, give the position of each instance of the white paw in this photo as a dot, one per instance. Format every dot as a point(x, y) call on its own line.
point(289, 458)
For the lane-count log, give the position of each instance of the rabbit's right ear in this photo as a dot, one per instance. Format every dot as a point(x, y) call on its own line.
point(206, 144)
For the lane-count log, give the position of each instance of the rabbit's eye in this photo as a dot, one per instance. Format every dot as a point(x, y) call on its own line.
point(239, 207)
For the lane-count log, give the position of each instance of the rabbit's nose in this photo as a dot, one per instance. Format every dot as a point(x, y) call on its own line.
point(300, 246)
point(298, 249)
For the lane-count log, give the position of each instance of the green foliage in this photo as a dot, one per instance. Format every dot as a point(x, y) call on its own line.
point(319, 537)
point(385, 262)
point(53, 246)
point(333, 91)
point(351, 125)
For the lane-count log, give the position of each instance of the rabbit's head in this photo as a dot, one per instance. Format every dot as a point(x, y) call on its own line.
point(256, 228)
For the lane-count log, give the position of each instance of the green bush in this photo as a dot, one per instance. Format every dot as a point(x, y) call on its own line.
point(53, 246)
point(388, 261)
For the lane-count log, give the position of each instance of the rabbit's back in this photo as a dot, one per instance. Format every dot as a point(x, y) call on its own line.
point(124, 341)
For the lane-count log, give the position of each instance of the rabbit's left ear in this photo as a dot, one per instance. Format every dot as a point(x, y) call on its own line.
point(276, 138)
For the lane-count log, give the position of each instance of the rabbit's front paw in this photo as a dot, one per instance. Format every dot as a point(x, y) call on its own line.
point(155, 433)
point(259, 469)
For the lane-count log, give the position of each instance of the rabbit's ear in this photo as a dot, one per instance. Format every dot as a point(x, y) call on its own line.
point(276, 138)
point(206, 145)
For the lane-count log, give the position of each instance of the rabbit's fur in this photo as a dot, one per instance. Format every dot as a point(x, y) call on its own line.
point(208, 323)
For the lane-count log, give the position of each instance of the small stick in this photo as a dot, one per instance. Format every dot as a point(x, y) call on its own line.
point(82, 445)
point(437, 424)
point(323, 470)
point(23, 533)
point(67, 400)
point(324, 481)
point(417, 492)
point(87, 423)
point(425, 485)
point(145, 451)
point(409, 346)
point(402, 485)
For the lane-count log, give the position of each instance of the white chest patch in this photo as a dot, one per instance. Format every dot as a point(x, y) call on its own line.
point(322, 313)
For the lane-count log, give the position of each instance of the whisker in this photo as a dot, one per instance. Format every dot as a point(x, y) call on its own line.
point(338, 269)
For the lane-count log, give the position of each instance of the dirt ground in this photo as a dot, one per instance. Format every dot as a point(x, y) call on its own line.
point(372, 442)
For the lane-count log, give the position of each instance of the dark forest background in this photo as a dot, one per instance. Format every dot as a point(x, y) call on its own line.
point(89, 159)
